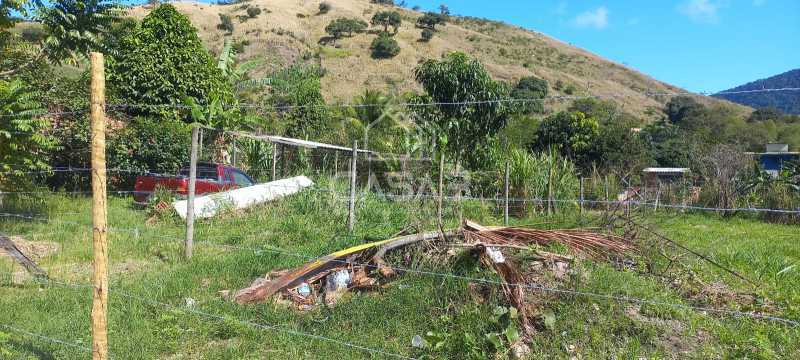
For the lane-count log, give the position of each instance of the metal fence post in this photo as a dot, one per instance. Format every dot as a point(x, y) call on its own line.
point(440, 190)
point(189, 244)
point(581, 207)
point(274, 161)
point(351, 212)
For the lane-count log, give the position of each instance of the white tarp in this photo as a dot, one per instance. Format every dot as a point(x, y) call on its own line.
point(206, 206)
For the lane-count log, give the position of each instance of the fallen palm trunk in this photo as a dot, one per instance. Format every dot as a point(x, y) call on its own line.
point(581, 241)
point(316, 269)
point(15, 253)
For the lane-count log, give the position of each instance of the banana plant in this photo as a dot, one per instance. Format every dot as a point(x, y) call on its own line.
point(236, 73)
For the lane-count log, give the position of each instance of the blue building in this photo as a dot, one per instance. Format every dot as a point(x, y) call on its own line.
point(776, 155)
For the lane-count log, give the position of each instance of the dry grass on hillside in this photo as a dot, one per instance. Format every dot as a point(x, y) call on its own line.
point(290, 30)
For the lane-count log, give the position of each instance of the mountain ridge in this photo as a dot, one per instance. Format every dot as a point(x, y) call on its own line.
point(788, 101)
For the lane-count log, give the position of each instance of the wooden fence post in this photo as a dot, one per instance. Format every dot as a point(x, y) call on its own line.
point(608, 205)
point(191, 192)
point(99, 210)
point(505, 193)
point(351, 211)
point(233, 160)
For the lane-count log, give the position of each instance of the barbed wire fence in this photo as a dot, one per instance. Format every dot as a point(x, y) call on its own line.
point(425, 182)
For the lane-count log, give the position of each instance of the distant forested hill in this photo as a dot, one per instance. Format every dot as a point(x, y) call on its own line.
point(786, 101)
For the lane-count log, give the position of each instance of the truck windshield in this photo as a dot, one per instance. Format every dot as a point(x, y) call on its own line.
point(203, 173)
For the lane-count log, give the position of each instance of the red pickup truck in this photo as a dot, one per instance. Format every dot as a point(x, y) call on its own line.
point(211, 177)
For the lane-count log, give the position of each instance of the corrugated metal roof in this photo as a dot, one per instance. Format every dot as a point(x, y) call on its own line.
point(665, 170)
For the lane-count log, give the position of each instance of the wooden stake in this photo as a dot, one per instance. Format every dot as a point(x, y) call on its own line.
point(351, 211)
point(505, 193)
point(99, 210)
point(190, 201)
point(233, 160)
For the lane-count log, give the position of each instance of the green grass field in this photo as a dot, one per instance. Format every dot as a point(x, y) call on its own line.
point(152, 286)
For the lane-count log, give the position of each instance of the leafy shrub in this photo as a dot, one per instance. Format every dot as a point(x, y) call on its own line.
point(324, 7)
point(427, 35)
point(148, 144)
point(384, 47)
point(531, 176)
point(225, 23)
point(162, 62)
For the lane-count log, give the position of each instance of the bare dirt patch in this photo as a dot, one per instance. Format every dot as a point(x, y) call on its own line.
point(35, 250)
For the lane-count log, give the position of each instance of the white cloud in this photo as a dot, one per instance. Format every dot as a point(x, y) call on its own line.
point(597, 18)
point(702, 11)
point(759, 2)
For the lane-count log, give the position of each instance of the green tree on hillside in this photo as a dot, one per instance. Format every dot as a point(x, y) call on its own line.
point(459, 79)
point(529, 88)
point(162, 62)
point(570, 133)
point(338, 27)
point(386, 19)
point(430, 19)
point(297, 92)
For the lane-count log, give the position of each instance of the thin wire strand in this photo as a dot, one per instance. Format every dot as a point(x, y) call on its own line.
point(455, 103)
point(43, 337)
point(534, 286)
point(250, 323)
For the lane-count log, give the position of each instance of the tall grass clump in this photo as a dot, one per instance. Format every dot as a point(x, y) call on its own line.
point(533, 179)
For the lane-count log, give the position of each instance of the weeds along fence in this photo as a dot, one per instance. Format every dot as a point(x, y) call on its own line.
point(351, 184)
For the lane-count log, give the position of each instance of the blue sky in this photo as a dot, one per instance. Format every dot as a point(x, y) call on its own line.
point(699, 45)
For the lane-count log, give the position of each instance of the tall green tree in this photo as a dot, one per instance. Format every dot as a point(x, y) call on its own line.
point(162, 62)
point(571, 133)
point(386, 19)
point(529, 88)
point(430, 19)
point(23, 142)
point(341, 26)
point(469, 110)
point(296, 94)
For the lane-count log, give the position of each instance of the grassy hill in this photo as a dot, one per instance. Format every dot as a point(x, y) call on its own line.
point(786, 101)
point(287, 31)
